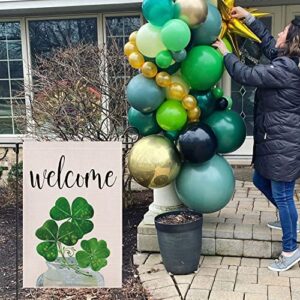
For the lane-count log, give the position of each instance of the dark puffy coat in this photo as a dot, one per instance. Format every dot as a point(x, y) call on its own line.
point(276, 153)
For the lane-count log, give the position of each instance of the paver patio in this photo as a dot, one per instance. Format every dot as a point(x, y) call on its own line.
point(244, 274)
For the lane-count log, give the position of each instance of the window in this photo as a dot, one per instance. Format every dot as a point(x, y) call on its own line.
point(47, 35)
point(117, 31)
point(12, 103)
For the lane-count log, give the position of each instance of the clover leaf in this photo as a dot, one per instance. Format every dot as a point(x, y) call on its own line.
point(94, 254)
point(78, 214)
point(52, 235)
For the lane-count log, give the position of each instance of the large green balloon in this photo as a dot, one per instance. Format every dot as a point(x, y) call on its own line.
point(229, 128)
point(158, 12)
point(206, 102)
point(206, 187)
point(176, 35)
point(171, 115)
point(203, 67)
point(208, 32)
point(144, 94)
point(145, 124)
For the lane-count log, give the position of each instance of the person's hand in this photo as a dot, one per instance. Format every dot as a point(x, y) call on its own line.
point(239, 13)
point(221, 46)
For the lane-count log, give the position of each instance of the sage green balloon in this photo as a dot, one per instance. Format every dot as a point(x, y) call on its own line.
point(176, 35)
point(145, 123)
point(203, 67)
point(206, 187)
point(229, 128)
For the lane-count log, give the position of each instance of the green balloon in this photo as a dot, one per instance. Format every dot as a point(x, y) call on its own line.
point(145, 124)
point(217, 92)
point(230, 102)
point(203, 67)
point(176, 35)
point(229, 128)
point(206, 102)
point(171, 115)
point(158, 12)
point(206, 187)
point(172, 135)
point(164, 59)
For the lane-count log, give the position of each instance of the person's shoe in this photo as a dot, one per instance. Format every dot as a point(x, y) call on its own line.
point(284, 263)
point(277, 225)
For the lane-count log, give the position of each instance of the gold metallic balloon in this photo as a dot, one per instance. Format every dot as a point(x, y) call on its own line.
point(193, 12)
point(232, 26)
point(149, 69)
point(163, 79)
point(129, 48)
point(194, 113)
point(136, 60)
point(154, 162)
point(132, 37)
point(189, 102)
point(176, 91)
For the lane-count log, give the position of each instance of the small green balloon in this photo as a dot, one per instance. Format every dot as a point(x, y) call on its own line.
point(230, 102)
point(206, 102)
point(158, 12)
point(228, 44)
point(206, 187)
point(171, 115)
point(217, 92)
point(145, 124)
point(176, 35)
point(229, 128)
point(164, 59)
point(203, 67)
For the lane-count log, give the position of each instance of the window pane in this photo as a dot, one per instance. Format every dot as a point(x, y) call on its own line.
point(3, 70)
point(3, 51)
point(6, 126)
point(10, 49)
point(243, 96)
point(47, 35)
point(5, 107)
point(14, 50)
point(4, 88)
point(16, 69)
point(17, 88)
point(19, 108)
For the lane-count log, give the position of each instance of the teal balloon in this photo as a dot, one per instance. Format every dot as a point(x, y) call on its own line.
point(158, 12)
point(144, 94)
point(172, 135)
point(164, 59)
point(229, 128)
point(145, 124)
point(206, 187)
point(179, 56)
point(206, 102)
point(203, 67)
point(176, 35)
point(208, 32)
point(171, 115)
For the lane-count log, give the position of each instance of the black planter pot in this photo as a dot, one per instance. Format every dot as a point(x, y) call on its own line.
point(180, 244)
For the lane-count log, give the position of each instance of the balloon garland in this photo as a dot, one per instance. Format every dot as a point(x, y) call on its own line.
point(184, 117)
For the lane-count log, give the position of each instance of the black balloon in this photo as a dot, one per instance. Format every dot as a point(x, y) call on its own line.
point(198, 143)
point(222, 103)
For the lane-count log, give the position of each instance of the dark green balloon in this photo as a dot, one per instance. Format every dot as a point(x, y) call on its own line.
point(229, 128)
point(217, 92)
point(203, 67)
point(145, 124)
point(206, 102)
point(206, 187)
point(172, 69)
point(172, 135)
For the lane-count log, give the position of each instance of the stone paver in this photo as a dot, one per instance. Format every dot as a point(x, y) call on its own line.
point(239, 246)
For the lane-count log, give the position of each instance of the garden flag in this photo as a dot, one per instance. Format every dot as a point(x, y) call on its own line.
point(72, 214)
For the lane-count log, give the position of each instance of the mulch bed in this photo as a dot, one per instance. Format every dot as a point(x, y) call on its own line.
point(132, 287)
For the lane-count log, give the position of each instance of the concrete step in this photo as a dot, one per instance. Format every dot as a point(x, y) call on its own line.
point(240, 229)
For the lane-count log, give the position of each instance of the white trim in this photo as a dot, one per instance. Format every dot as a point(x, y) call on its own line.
point(292, 11)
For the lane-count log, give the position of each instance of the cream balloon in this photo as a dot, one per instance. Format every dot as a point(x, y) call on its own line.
point(148, 40)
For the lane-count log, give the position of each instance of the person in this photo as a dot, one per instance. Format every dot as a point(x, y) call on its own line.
point(276, 152)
